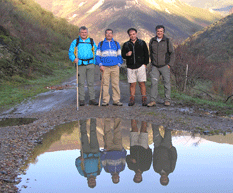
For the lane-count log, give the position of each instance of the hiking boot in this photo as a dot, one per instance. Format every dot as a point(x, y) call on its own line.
point(131, 101)
point(81, 103)
point(105, 104)
point(117, 103)
point(151, 104)
point(167, 103)
point(144, 101)
point(93, 102)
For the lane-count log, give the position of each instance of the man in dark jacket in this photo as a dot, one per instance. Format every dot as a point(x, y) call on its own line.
point(165, 154)
point(135, 52)
point(162, 58)
point(140, 157)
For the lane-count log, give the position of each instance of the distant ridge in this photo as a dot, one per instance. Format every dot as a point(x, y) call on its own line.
point(181, 20)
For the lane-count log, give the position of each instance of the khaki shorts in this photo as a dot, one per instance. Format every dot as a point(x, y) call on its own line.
point(135, 75)
point(139, 139)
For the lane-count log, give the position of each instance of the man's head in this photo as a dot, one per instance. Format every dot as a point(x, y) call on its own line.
point(132, 32)
point(137, 177)
point(164, 180)
point(108, 34)
point(115, 178)
point(91, 181)
point(83, 32)
point(160, 30)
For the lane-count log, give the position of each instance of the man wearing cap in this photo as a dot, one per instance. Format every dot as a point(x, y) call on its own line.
point(82, 53)
point(162, 58)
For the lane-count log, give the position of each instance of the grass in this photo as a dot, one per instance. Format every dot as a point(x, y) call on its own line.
point(18, 89)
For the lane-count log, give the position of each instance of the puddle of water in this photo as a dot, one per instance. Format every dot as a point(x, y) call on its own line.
point(16, 121)
point(195, 163)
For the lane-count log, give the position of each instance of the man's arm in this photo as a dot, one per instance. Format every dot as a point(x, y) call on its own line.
point(172, 54)
point(95, 49)
point(99, 56)
point(119, 57)
point(72, 54)
point(146, 53)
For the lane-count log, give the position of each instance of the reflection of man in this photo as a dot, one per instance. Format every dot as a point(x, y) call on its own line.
point(113, 156)
point(89, 164)
point(135, 52)
point(162, 58)
point(140, 157)
point(165, 155)
point(108, 57)
point(82, 52)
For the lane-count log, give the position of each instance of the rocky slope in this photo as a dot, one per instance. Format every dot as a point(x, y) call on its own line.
point(180, 19)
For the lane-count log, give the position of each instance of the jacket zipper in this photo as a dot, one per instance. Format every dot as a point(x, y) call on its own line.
point(133, 52)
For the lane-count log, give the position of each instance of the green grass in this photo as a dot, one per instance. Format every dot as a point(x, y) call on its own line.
point(17, 89)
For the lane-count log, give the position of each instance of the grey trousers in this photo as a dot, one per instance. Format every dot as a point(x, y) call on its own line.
point(86, 72)
point(158, 140)
point(155, 74)
point(93, 146)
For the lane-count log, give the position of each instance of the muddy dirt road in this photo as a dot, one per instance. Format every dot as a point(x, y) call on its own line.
point(56, 107)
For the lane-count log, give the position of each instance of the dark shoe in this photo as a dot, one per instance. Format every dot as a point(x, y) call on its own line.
point(144, 101)
point(117, 103)
point(167, 103)
point(131, 101)
point(151, 104)
point(105, 104)
point(93, 102)
point(81, 103)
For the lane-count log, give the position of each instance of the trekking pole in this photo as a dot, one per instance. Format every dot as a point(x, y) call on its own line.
point(77, 84)
point(101, 88)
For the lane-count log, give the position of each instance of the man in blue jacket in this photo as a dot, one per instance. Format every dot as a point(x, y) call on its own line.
point(113, 156)
point(108, 57)
point(89, 164)
point(82, 53)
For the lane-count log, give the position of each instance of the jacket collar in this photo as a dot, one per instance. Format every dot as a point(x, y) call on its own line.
point(80, 39)
point(163, 39)
point(107, 40)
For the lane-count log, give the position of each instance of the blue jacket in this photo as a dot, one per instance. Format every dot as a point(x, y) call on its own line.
point(85, 51)
point(92, 165)
point(109, 54)
point(113, 161)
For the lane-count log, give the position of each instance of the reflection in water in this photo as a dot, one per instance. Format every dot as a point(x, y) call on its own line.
point(89, 164)
point(113, 155)
point(165, 154)
point(140, 157)
point(123, 149)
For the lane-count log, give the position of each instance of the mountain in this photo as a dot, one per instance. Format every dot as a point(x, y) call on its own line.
point(181, 20)
point(214, 41)
point(222, 6)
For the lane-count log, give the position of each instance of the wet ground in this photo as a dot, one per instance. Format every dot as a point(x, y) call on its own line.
point(57, 107)
point(195, 163)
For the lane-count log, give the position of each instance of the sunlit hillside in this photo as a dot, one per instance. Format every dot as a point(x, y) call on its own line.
point(181, 20)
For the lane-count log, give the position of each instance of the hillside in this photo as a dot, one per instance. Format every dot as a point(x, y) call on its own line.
point(180, 19)
point(214, 41)
point(30, 37)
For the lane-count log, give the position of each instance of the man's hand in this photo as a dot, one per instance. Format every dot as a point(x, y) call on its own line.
point(76, 60)
point(168, 66)
point(101, 68)
point(133, 161)
point(129, 53)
